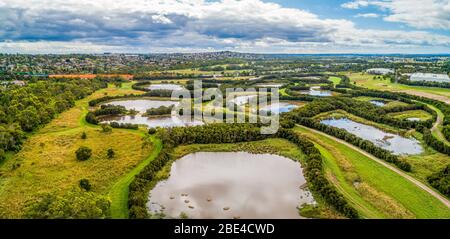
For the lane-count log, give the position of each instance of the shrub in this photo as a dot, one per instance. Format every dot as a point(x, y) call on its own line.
point(152, 131)
point(83, 153)
point(85, 184)
point(110, 153)
point(84, 135)
point(106, 128)
point(91, 118)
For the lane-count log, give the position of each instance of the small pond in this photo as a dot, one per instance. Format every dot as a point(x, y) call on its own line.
point(395, 143)
point(165, 87)
point(231, 185)
point(281, 107)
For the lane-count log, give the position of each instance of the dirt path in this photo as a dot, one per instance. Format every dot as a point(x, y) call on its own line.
point(436, 127)
point(416, 182)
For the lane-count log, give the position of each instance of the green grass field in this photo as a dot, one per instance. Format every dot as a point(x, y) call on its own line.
point(335, 80)
point(419, 114)
point(276, 146)
point(374, 190)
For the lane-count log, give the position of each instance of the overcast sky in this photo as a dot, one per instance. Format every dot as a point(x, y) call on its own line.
point(258, 26)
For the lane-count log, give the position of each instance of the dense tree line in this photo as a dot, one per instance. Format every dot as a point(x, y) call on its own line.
point(446, 132)
point(162, 110)
point(26, 108)
point(91, 116)
point(435, 143)
point(110, 110)
point(118, 125)
point(424, 83)
point(75, 204)
point(441, 180)
point(142, 86)
point(205, 85)
point(316, 176)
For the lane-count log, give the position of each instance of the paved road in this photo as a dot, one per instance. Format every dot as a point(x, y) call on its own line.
point(392, 168)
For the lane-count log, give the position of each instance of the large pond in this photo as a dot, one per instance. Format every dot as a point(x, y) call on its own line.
point(142, 105)
point(281, 107)
point(395, 143)
point(165, 87)
point(231, 185)
point(316, 91)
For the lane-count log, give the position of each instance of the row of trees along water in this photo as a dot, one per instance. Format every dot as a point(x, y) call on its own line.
point(303, 116)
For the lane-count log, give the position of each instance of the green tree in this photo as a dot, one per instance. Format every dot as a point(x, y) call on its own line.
point(75, 204)
point(84, 135)
point(85, 184)
point(110, 153)
point(83, 153)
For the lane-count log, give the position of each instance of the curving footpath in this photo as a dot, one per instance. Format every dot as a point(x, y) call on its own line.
point(416, 182)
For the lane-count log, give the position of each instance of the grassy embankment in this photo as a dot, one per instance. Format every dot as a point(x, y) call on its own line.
point(47, 162)
point(374, 190)
point(367, 81)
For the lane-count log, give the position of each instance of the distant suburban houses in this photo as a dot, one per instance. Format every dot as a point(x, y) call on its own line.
point(380, 71)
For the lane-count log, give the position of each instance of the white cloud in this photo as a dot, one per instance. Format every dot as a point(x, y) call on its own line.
point(367, 15)
point(422, 14)
point(355, 4)
point(190, 25)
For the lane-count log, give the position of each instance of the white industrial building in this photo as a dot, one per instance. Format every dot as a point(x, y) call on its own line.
point(429, 77)
point(379, 71)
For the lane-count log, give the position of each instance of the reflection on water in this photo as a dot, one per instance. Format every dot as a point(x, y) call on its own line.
point(141, 105)
point(231, 185)
point(281, 107)
point(377, 103)
point(162, 121)
point(316, 91)
point(165, 87)
point(395, 143)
